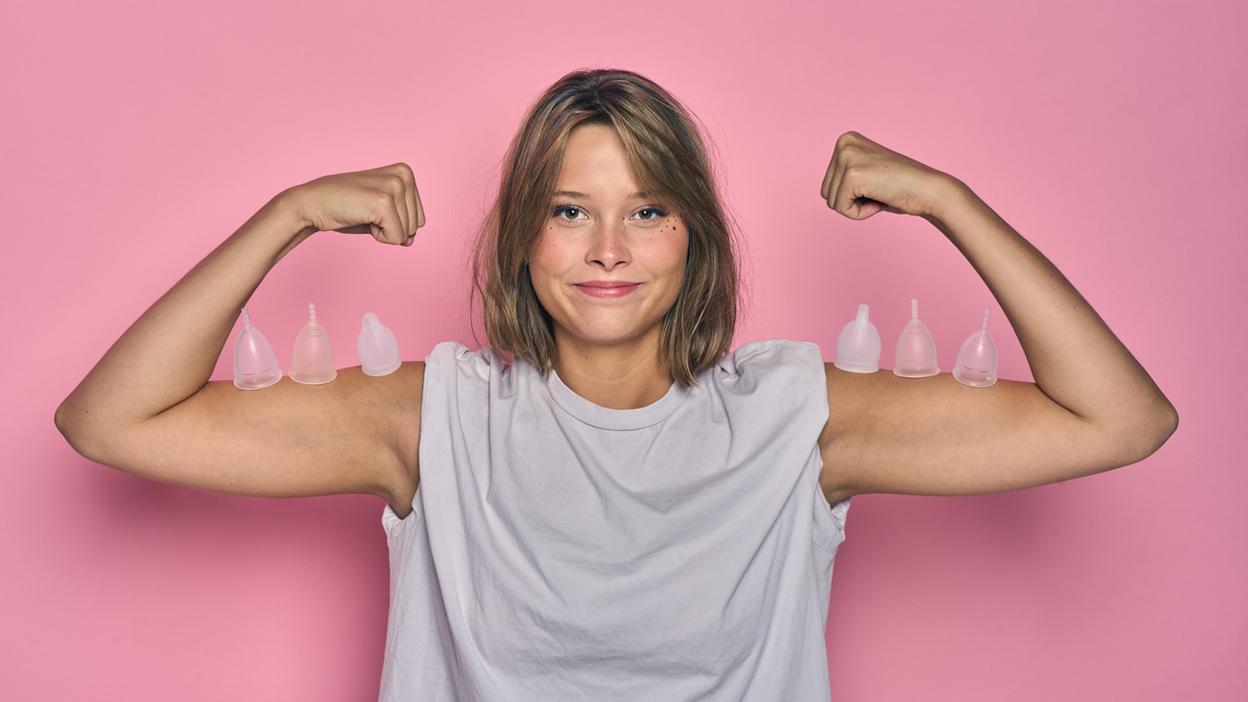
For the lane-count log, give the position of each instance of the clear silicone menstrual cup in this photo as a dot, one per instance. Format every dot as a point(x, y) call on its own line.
point(858, 347)
point(255, 364)
point(977, 361)
point(916, 351)
point(312, 361)
point(379, 350)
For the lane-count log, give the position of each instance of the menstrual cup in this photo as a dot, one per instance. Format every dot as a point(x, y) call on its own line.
point(858, 347)
point(916, 351)
point(977, 361)
point(255, 364)
point(312, 361)
point(379, 350)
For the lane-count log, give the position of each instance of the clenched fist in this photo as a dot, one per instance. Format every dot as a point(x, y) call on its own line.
point(382, 202)
point(865, 178)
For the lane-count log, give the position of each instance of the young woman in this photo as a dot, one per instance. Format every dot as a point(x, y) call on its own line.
point(613, 504)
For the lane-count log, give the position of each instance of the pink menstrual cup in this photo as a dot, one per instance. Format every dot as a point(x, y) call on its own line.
point(255, 364)
point(916, 351)
point(858, 347)
point(379, 351)
point(312, 361)
point(977, 361)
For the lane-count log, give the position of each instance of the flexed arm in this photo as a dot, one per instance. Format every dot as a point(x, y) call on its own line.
point(147, 407)
point(1092, 406)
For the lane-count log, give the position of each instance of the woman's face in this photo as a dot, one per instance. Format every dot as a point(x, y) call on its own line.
point(610, 260)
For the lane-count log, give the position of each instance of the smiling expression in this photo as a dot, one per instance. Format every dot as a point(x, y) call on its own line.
point(610, 260)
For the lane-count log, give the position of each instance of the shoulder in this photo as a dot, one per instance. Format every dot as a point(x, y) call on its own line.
point(451, 359)
point(776, 361)
point(452, 354)
point(781, 379)
point(455, 373)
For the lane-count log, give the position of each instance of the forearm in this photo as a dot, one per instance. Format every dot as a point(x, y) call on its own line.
point(1074, 357)
point(170, 351)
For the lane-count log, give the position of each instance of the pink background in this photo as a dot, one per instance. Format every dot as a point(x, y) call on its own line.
point(137, 134)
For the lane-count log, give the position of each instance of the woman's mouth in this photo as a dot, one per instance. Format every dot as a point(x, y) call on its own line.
point(606, 288)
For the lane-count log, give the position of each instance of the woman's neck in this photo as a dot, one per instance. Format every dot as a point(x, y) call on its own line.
point(622, 376)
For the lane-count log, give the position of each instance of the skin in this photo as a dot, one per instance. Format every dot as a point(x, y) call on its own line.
point(1091, 408)
point(603, 229)
point(354, 435)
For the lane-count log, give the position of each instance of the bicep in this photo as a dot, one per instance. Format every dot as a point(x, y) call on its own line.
point(935, 436)
point(357, 434)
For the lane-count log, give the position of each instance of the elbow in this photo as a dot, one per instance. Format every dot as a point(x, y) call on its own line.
point(1166, 421)
point(1148, 430)
point(65, 423)
point(73, 423)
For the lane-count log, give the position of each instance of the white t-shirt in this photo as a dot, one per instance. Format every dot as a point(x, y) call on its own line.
point(558, 550)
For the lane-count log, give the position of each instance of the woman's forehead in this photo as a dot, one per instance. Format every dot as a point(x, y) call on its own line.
point(595, 164)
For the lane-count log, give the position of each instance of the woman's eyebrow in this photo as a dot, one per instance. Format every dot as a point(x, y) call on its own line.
point(574, 194)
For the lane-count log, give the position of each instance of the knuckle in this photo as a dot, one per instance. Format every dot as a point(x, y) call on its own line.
point(381, 201)
point(393, 183)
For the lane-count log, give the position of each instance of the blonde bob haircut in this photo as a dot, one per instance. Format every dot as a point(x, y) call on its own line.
point(669, 161)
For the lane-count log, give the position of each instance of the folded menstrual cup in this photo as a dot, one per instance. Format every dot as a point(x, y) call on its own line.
point(916, 351)
point(379, 351)
point(858, 347)
point(255, 364)
point(312, 362)
point(977, 361)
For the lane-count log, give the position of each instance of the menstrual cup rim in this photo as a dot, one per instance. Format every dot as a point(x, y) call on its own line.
point(389, 368)
point(935, 371)
point(297, 379)
point(857, 368)
point(270, 383)
point(957, 375)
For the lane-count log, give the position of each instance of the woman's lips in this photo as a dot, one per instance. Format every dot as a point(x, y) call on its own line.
point(606, 288)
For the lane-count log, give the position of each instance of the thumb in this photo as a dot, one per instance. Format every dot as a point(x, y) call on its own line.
point(863, 207)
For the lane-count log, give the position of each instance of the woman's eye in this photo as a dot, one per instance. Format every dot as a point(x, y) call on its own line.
point(568, 212)
point(650, 213)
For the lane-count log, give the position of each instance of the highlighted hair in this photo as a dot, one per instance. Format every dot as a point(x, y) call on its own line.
point(669, 160)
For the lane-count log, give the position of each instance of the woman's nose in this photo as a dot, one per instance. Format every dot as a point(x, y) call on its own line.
point(608, 247)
